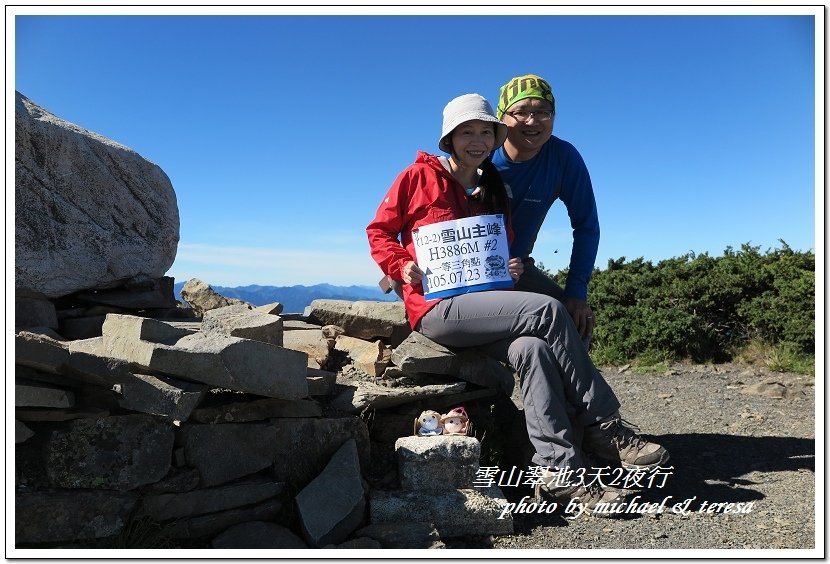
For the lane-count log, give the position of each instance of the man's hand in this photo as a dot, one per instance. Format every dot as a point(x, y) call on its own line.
point(582, 315)
point(516, 268)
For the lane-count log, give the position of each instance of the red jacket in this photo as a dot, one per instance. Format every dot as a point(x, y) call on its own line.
point(424, 193)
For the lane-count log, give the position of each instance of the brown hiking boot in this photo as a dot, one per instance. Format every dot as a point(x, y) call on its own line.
point(592, 499)
point(617, 439)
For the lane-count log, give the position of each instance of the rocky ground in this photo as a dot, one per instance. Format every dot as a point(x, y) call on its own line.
point(736, 434)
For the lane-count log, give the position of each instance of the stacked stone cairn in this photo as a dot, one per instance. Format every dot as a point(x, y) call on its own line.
point(248, 428)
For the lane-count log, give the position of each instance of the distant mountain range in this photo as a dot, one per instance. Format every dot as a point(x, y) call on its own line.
point(295, 298)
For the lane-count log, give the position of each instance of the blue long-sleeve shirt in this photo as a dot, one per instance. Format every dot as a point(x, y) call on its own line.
point(556, 172)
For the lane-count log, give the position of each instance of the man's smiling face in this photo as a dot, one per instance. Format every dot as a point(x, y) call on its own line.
point(525, 139)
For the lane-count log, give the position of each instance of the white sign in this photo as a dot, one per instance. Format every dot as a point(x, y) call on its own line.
point(463, 255)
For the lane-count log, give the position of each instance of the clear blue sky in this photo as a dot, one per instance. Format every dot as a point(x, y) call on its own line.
point(281, 133)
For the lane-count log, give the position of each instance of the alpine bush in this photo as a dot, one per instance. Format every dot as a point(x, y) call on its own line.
point(703, 308)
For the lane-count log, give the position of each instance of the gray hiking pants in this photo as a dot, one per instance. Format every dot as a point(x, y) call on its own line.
point(561, 388)
point(534, 280)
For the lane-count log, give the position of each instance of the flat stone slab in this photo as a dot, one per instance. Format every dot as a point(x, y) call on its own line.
point(355, 398)
point(69, 515)
point(362, 319)
point(334, 503)
point(168, 506)
point(214, 523)
point(35, 395)
point(230, 362)
point(160, 395)
point(456, 512)
point(84, 455)
point(420, 354)
point(257, 410)
point(39, 351)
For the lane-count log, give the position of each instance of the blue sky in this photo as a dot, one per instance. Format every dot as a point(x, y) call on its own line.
point(281, 133)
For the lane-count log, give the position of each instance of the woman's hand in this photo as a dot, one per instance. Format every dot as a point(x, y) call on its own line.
point(516, 268)
point(411, 274)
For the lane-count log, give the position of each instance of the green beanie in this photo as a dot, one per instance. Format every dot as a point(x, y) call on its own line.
point(521, 87)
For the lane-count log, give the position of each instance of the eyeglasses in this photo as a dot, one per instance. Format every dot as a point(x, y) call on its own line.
point(524, 115)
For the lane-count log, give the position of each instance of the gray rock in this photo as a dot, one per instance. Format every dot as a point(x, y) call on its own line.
point(96, 369)
point(320, 382)
point(178, 480)
point(310, 342)
point(243, 322)
point(160, 395)
point(370, 357)
point(334, 503)
point(769, 388)
point(34, 312)
point(202, 297)
point(420, 354)
point(362, 395)
point(61, 516)
point(272, 308)
point(89, 212)
point(230, 362)
point(40, 352)
point(477, 368)
point(214, 523)
point(362, 319)
point(50, 414)
point(21, 432)
point(437, 463)
point(314, 441)
point(119, 453)
point(258, 534)
point(223, 453)
point(168, 506)
point(38, 395)
point(92, 345)
point(456, 512)
point(256, 410)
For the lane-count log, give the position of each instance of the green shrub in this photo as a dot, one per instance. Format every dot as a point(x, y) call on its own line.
point(703, 308)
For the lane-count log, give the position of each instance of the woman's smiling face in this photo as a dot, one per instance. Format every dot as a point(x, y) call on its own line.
point(473, 141)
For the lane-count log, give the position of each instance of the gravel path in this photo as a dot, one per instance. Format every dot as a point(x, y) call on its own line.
point(735, 434)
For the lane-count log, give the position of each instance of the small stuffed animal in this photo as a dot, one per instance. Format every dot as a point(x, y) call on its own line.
point(455, 422)
point(428, 424)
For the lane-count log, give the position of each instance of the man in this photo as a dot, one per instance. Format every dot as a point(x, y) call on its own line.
point(538, 169)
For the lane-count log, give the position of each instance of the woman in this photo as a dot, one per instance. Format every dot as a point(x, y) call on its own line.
point(564, 395)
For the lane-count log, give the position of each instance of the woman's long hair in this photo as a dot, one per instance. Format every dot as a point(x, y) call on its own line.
point(494, 194)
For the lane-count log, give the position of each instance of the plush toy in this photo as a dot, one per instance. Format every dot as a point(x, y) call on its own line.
point(428, 424)
point(456, 422)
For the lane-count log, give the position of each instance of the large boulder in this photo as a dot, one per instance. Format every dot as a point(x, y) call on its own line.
point(89, 213)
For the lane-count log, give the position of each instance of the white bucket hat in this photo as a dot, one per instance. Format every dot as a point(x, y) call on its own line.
point(467, 108)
